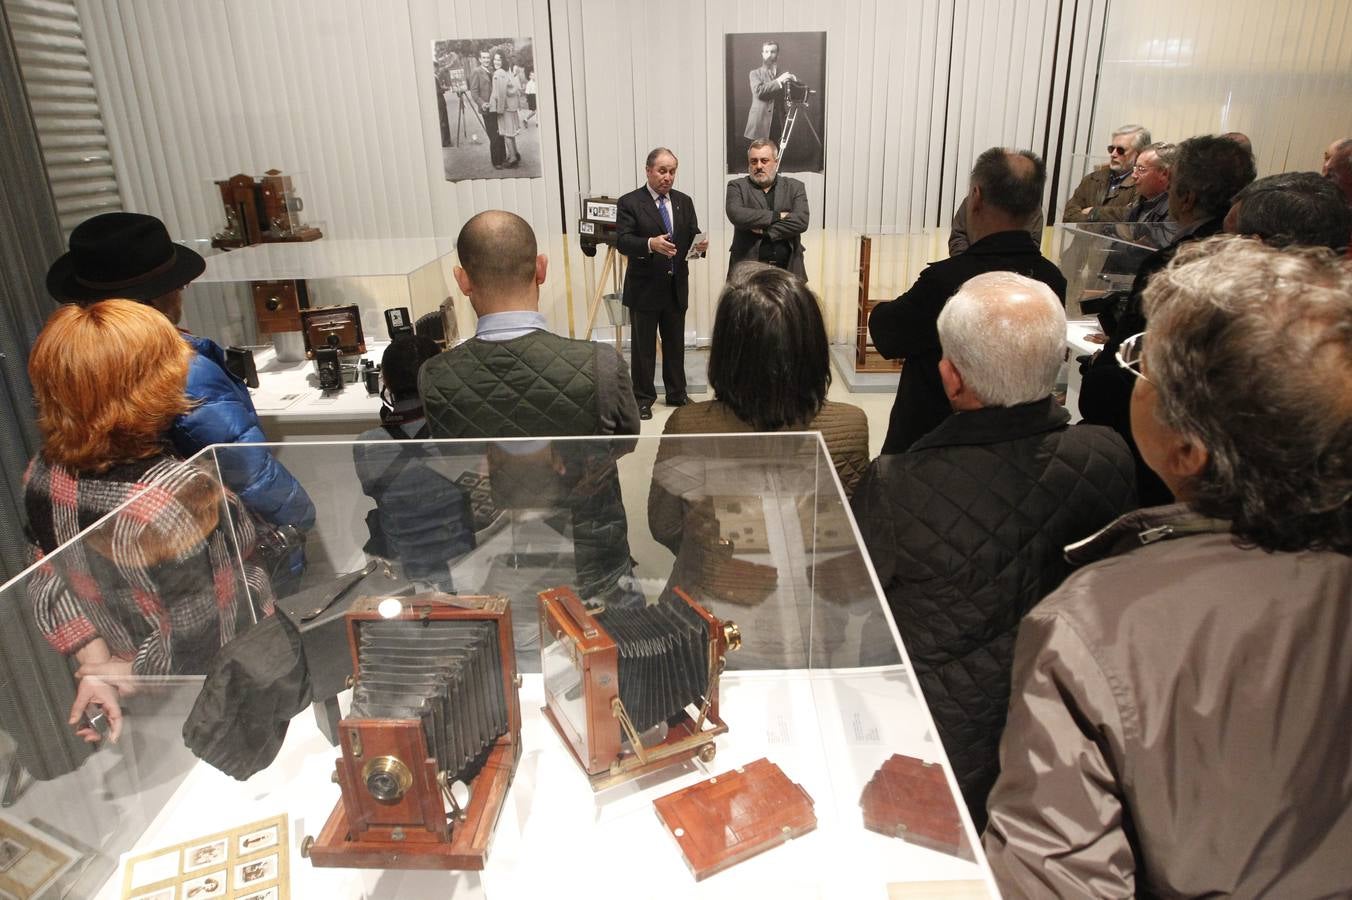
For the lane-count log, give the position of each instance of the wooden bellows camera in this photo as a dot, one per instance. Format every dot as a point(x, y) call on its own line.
point(633, 690)
point(434, 716)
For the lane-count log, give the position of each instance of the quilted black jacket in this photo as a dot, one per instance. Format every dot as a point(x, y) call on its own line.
point(966, 531)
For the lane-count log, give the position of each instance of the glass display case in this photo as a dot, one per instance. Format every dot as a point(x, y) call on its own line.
point(723, 575)
point(1101, 258)
point(253, 298)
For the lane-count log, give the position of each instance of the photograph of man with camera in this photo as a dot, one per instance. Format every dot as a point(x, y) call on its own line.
point(766, 100)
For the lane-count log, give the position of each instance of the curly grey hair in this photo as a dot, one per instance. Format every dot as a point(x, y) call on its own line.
point(1250, 349)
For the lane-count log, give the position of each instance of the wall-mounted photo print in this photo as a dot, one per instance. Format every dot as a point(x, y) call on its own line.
point(486, 100)
point(776, 89)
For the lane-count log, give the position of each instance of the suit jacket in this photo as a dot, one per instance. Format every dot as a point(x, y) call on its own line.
point(748, 207)
point(650, 276)
point(765, 93)
point(480, 84)
point(907, 327)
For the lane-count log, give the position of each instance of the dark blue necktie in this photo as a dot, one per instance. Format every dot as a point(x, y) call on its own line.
point(666, 223)
point(666, 216)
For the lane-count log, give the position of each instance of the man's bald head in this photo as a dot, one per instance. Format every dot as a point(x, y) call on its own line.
point(498, 252)
point(1011, 181)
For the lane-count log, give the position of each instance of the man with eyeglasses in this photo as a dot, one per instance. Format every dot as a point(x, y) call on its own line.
point(1110, 186)
point(1209, 171)
point(1177, 720)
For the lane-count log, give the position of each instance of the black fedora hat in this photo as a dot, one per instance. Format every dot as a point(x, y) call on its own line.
point(121, 254)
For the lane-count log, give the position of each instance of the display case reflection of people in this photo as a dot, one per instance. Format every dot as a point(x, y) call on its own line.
point(424, 519)
point(152, 591)
point(713, 502)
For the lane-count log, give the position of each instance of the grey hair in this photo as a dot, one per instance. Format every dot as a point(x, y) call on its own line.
point(1006, 335)
point(1139, 133)
point(763, 142)
point(656, 152)
point(1165, 152)
point(1250, 353)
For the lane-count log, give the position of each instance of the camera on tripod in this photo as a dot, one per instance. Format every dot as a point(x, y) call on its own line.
point(796, 92)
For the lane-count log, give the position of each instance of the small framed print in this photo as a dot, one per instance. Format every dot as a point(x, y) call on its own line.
point(253, 841)
point(586, 227)
point(257, 871)
point(201, 856)
point(269, 893)
point(11, 851)
point(205, 887)
point(603, 212)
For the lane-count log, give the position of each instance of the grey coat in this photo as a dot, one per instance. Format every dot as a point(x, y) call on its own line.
point(1178, 722)
point(748, 208)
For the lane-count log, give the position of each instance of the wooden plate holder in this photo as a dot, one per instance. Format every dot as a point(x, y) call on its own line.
point(414, 833)
point(601, 752)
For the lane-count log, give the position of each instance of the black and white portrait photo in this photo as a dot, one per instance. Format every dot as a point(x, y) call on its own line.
point(486, 107)
point(776, 89)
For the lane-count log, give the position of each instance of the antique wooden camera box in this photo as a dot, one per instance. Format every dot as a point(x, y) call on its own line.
point(336, 327)
point(433, 736)
point(633, 690)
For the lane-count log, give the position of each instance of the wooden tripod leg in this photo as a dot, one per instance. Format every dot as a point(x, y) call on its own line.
point(595, 305)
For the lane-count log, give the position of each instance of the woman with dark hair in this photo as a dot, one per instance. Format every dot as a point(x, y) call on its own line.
point(769, 367)
point(715, 502)
point(151, 590)
point(506, 102)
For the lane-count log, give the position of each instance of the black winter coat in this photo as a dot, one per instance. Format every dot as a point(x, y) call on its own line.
point(907, 328)
point(966, 531)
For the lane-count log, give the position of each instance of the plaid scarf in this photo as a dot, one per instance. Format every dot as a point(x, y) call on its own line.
point(156, 579)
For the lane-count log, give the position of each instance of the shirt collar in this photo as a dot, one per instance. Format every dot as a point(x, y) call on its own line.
point(504, 326)
point(652, 193)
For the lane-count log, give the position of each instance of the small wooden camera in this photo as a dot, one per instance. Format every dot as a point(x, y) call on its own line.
point(631, 691)
point(260, 211)
point(333, 327)
point(434, 707)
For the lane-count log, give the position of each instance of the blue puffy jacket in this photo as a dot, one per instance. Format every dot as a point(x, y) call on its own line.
point(225, 414)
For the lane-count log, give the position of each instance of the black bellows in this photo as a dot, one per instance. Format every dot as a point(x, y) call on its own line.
point(663, 659)
point(445, 673)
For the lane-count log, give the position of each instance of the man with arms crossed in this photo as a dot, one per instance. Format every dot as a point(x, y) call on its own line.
point(768, 212)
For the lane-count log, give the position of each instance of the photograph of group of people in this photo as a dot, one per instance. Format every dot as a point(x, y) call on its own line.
point(487, 108)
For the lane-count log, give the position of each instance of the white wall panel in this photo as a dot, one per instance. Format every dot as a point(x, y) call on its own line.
point(1279, 72)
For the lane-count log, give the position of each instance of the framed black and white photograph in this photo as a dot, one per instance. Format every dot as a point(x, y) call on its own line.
point(487, 109)
point(776, 89)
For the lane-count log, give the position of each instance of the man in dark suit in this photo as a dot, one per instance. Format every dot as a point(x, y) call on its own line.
point(1006, 189)
point(768, 212)
point(657, 227)
point(480, 82)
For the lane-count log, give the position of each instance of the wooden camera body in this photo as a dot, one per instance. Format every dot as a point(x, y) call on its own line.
point(335, 327)
point(263, 210)
point(583, 675)
point(392, 813)
point(277, 304)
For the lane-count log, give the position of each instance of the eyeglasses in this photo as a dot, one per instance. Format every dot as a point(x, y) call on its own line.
point(1139, 169)
point(1120, 151)
point(1131, 353)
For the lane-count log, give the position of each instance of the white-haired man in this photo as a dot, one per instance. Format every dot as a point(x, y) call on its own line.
point(966, 527)
point(1108, 191)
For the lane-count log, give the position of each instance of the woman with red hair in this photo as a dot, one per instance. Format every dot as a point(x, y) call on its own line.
point(149, 590)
